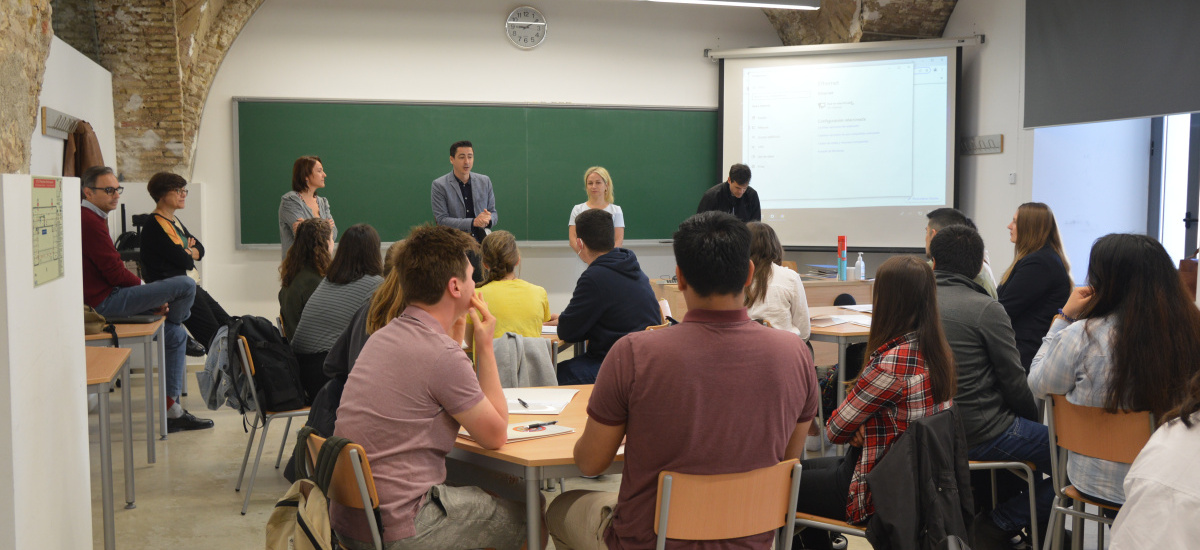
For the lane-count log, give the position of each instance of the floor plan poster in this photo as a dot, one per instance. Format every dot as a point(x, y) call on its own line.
point(47, 230)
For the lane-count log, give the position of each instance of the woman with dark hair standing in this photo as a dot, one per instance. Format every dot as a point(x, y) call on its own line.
point(520, 307)
point(302, 202)
point(1129, 341)
point(1038, 281)
point(168, 249)
point(302, 270)
point(909, 375)
point(775, 294)
point(352, 277)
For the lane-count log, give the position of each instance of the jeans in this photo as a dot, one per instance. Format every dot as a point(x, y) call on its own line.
point(1023, 441)
point(579, 370)
point(178, 293)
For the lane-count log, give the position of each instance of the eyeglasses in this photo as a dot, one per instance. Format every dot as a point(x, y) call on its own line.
point(109, 190)
point(182, 192)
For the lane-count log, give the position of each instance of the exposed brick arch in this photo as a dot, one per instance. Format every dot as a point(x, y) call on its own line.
point(163, 57)
point(842, 21)
point(24, 44)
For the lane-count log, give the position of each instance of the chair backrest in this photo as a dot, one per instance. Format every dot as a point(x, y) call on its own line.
point(656, 327)
point(243, 347)
point(344, 486)
point(1091, 431)
point(844, 299)
point(790, 265)
point(664, 309)
point(726, 506)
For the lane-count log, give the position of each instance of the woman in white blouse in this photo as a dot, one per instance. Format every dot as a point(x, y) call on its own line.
point(598, 185)
point(775, 294)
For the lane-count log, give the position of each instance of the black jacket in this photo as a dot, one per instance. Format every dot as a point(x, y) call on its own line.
point(612, 298)
point(719, 198)
point(922, 486)
point(161, 257)
point(1036, 287)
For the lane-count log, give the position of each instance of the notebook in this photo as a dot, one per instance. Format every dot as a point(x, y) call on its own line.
point(520, 431)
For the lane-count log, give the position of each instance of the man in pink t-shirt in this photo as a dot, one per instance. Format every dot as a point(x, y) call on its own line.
point(715, 394)
point(411, 388)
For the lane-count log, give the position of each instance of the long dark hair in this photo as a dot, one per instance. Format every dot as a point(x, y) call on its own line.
point(311, 249)
point(1156, 337)
point(765, 251)
point(357, 255)
point(905, 300)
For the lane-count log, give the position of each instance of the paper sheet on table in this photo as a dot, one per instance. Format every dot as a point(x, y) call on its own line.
point(549, 330)
point(831, 320)
point(520, 431)
point(864, 308)
point(540, 400)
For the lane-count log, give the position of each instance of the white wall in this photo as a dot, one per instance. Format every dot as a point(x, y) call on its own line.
point(43, 407)
point(613, 52)
point(1095, 177)
point(79, 87)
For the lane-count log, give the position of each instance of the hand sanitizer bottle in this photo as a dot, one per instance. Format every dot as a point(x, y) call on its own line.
point(861, 268)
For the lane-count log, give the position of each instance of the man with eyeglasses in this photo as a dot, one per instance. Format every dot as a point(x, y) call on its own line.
point(116, 292)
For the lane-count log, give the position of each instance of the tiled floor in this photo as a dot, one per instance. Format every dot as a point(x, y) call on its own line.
point(186, 501)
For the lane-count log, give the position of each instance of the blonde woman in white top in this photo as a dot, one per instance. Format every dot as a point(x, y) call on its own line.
point(775, 294)
point(598, 185)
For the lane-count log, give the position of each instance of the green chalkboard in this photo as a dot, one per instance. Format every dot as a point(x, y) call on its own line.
point(381, 159)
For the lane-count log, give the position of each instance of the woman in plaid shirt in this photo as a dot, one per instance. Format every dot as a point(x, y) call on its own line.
point(909, 375)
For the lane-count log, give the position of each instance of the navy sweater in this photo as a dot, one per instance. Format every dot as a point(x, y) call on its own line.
point(612, 298)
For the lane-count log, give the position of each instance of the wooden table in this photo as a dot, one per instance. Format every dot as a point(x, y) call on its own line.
point(145, 334)
point(536, 459)
point(843, 335)
point(104, 365)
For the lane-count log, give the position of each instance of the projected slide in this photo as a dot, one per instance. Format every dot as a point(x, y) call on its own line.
point(847, 135)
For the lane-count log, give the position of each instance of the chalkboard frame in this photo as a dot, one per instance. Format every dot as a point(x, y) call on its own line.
point(693, 189)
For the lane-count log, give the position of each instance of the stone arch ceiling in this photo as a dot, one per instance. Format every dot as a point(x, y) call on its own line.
point(840, 21)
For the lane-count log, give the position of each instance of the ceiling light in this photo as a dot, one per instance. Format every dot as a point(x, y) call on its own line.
point(778, 4)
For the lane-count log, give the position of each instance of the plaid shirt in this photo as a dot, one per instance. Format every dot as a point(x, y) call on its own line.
point(892, 391)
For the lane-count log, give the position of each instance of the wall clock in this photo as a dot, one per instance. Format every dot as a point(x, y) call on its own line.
point(525, 27)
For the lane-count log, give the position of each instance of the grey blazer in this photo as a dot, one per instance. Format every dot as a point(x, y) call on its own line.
point(447, 202)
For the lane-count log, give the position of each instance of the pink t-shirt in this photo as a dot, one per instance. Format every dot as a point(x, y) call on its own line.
point(407, 382)
point(716, 394)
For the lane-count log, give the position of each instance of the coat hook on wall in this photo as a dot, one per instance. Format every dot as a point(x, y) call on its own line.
point(57, 123)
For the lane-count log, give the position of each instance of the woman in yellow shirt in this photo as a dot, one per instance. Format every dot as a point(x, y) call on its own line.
point(520, 307)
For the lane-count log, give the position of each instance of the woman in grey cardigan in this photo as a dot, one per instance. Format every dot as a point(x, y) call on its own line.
point(302, 201)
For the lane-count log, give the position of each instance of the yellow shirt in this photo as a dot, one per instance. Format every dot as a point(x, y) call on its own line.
point(520, 307)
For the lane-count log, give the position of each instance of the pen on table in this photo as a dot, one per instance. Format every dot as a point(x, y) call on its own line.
point(541, 424)
point(522, 402)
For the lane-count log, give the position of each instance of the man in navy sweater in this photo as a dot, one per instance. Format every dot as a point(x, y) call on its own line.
point(612, 298)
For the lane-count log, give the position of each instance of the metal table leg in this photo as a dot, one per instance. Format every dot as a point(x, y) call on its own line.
point(127, 426)
point(533, 508)
point(162, 378)
point(106, 481)
point(148, 365)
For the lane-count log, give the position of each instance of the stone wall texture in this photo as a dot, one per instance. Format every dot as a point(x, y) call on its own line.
point(25, 32)
point(845, 21)
point(75, 24)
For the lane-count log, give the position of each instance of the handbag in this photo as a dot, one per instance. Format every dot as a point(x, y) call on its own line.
point(93, 322)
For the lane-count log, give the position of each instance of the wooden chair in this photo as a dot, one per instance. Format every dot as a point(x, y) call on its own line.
point(352, 485)
point(790, 265)
point(1089, 431)
point(726, 506)
point(656, 327)
point(261, 417)
point(827, 524)
point(1023, 470)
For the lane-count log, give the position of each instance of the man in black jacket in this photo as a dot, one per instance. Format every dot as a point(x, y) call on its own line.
point(997, 408)
point(612, 298)
point(733, 196)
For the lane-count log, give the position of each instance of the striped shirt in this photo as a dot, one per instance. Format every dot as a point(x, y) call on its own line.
point(328, 313)
point(1075, 361)
point(893, 390)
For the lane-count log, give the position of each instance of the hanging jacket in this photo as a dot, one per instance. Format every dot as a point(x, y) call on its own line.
point(922, 486)
point(82, 151)
point(523, 362)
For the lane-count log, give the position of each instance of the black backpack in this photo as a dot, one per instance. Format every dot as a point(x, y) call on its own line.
point(276, 372)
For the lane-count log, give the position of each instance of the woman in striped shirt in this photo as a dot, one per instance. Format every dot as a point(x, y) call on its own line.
point(909, 375)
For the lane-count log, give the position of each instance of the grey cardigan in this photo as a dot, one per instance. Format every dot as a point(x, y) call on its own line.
point(292, 208)
point(992, 390)
point(447, 202)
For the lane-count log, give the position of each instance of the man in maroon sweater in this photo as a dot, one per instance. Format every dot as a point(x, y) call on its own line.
point(716, 394)
point(116, 292)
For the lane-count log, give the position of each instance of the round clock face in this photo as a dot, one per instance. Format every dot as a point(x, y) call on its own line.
point(525, 27)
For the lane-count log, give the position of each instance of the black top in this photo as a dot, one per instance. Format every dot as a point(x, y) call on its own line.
point(469, 204)
point(1036, 288)
point(719, 198)
point(612, 298)
point(162, 257)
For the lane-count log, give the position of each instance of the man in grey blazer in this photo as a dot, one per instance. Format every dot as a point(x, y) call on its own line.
point(464, 200)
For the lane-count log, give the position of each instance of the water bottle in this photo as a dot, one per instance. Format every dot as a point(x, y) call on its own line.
point(861, 267)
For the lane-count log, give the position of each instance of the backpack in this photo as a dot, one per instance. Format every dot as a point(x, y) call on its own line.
point(223, 382)
point(301, 518)
point(276, 371)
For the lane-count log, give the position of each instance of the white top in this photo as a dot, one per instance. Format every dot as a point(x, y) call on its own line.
point(618, 217)
point(785, 305)
point(1162, 492)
